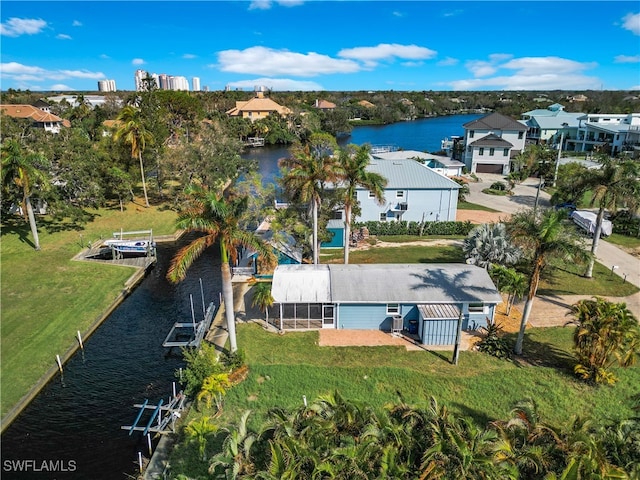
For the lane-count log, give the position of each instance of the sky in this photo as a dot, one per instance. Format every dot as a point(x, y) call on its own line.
point(297, 45)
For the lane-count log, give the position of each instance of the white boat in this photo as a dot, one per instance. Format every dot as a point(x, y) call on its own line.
point(588, 221)
point(130, 246)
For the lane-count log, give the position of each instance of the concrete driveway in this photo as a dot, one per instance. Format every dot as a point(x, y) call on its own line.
point(549, 311)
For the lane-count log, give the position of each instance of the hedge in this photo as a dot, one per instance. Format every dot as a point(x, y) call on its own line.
point(413, 228)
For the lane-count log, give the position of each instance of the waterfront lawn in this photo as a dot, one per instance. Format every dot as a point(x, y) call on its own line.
point(401, 254)
point(284, 368)
point(47, 297)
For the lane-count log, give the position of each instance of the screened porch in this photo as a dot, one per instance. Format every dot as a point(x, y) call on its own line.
point(302, 316)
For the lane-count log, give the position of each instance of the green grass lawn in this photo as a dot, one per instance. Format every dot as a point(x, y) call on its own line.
point(474, 206)
point(623, 240)
point(47, 297)
point(284, 368)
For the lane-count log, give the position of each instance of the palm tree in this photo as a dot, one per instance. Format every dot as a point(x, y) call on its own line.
point(236, 457)
point(262, 297)
point(353, 162)
point(23, 171)
point(509, 281)
point(217, 218)
point(309, 167)
point(200, 429)
point(605, 333)
point(213, 387)
point(489, 244)
point(543, 236)
point(615, 183)
point(135, 134)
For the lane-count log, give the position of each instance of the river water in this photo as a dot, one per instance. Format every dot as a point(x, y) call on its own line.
point(76, 419)
point(423, 135)
point(74, 423)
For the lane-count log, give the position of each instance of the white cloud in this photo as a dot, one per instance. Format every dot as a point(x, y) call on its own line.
point(76, 23)
point(627, 59)
point(398, 14)
point(189, 56)
point(635, 87)
point(448, 62)
point(268, 62)
point(530, 73)
point(387, 51)
point(14, 27)
point(60, 87)
point(63, 36)
point(28, 73)
point(631, 22)
point(137, 61)
point(278, 84)
point(104, 56)
point(267, 4)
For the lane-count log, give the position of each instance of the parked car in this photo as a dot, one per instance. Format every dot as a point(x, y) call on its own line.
point(566, 205)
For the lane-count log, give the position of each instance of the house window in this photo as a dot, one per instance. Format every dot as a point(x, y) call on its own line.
point(520, 135)
point(505, 152)
point(372, 195)
point(399, 193)
point(337, 215)
point(476, 308)
point(481, 151)
point(393, 309)
point(383, 217)
point(491, 151)
point(471, 133)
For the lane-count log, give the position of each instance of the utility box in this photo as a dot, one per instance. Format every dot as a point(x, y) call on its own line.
point(397, 324)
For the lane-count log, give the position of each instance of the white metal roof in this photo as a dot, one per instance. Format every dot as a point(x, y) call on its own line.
point(410, 174)
point(301, 284)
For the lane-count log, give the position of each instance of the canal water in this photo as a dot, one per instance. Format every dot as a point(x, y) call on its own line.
point(424, 135)
point(73, 425)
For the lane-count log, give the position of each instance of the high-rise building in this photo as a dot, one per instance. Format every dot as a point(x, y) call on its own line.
point(196, 84)
point(163, 81)
point(178, 83)
point(138, 77)
point(106, 85)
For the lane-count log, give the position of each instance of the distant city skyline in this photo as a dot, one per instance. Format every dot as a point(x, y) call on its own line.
point(314, 45)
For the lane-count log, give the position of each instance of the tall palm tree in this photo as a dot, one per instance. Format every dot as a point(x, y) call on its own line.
point(605, 333)
point(352, 164)
point(217, 219)
point(543, 236)
point(134, 133)
point(614, 184)
point(23, 171)
point(309, 168)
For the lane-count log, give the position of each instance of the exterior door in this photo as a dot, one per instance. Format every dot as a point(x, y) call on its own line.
point(328, 316)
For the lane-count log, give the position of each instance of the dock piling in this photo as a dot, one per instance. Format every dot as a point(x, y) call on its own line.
point(80, 340)
point(59, 363)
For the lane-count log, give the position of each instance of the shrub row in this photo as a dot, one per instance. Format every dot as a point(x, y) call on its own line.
point(413, 228)
point(626, 223)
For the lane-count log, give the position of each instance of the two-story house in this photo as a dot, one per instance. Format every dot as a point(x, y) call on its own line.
point(545, 125)
point(258, 107)
point(40, 118)
point(491, 142)
point(620, 132)
point(414, 192)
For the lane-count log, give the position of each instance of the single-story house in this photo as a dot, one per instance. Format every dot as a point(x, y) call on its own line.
point(40, 118)
point(430, 301)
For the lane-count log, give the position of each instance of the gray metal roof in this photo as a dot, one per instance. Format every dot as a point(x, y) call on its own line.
point(491, 140)
point(384, 283)
point(413, 154)
point(410, 174)
point(495, 121)
point(439, 310)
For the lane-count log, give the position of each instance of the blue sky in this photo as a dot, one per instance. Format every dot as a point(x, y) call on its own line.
point(316, 45)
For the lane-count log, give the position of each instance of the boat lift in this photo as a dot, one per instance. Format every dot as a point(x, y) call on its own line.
point(163, 416)
point(194, 332)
